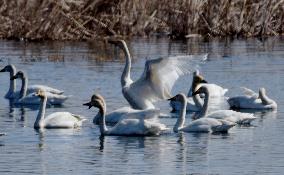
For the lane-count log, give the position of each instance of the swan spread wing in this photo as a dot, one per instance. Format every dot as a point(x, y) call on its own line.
point(249, 92)
point(160, 75)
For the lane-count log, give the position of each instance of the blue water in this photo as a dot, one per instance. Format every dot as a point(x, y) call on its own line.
point(83, 68)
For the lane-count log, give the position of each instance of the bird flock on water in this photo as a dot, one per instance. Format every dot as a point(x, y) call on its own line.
point(214, 111)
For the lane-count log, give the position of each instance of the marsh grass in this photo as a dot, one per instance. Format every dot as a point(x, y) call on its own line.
point(92, 19)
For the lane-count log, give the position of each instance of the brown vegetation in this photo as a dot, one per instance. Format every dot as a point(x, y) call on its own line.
point(90, 19)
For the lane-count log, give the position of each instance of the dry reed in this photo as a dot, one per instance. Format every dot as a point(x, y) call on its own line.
point(90, 19)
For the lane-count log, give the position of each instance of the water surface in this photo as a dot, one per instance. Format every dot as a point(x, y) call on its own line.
point(82, 68)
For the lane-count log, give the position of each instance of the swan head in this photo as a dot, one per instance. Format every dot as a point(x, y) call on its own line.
point(19, 74)
point(97, 101)
point(201, 90)
point(117, 42)
point(179, 97)
point(8, 68)
point(40, 93)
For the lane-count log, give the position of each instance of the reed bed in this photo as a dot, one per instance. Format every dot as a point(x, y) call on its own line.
point(92, 19)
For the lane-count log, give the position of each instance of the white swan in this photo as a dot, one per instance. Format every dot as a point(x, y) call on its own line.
point(30, 99)
point(191, 105)
point(199, 125)
point(56, 119)
point(252, 100)
point(31, 89)
point(232, 116)
point(132, 126)
point(157, 80)
point(125, 113)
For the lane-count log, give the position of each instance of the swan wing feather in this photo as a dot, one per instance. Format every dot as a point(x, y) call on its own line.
point(160, 75)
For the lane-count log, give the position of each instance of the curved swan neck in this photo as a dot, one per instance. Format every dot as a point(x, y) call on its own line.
point(102, 111)
point(204, 109)
point(264, 99)
point(197, 100)
point(181, 119)
point(12, 87)
point(40, 116)
point(125, 77)
point(24, 87)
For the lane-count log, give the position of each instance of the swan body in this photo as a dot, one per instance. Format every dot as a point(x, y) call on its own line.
point(125, 127)
point(199, 125)
point(127, 113)
point(57, 119)
point(229, 115)
point(157, 79)
point(217, 94)
point(252, 100)
point(31, 99)
point(12, 93)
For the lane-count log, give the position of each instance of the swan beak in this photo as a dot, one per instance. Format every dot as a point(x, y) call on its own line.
point(195, 93)
point(203, 81)
point(88, 104)
point(2, 70)
point(13, 78)
point(173, 98)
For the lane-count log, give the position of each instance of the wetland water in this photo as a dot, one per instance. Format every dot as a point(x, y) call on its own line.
point(81, 68)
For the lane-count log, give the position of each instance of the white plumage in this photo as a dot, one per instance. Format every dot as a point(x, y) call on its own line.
point(157, 79)
point(128, 127)
point(199, 125)
point(252, 100)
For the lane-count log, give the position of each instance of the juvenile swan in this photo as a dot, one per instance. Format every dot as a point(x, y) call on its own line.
point(157, 80)
point(128, 127)
point(199, 125)
point(191, 105)
point(229, 115)
point(12, 93)
point(56, 119)
point(252, 100)
point(30, 99)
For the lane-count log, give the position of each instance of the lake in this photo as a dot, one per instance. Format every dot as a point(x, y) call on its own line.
point(84, 68)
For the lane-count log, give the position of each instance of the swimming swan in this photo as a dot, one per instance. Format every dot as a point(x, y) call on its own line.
point(127, 127)
point(30, 99)
point(199, 125)
point(252, 100)
point(56, 119)
point(229, 115)
point(191, 105)
point(31, 89)
point(157, 79)
point(127, 112)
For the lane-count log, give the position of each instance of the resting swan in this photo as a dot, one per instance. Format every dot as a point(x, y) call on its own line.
point(229, 115)
point(252, 100)
point(157, 80)
point(56, 119)
point(199, 125)
point(30, 99)
point(128, 127)
point(191, 105)
point(31, 89)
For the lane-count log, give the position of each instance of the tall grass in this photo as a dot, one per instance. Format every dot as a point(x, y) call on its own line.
point(90, 19)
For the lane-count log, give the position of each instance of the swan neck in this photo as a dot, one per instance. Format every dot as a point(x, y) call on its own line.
point(41, 113)
point(102, 112)
point(198, 101)
point(264, 99)
point(125, 77)
point(181, 119)
point(204, 109)
point(12, 87)
point(24, 87)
